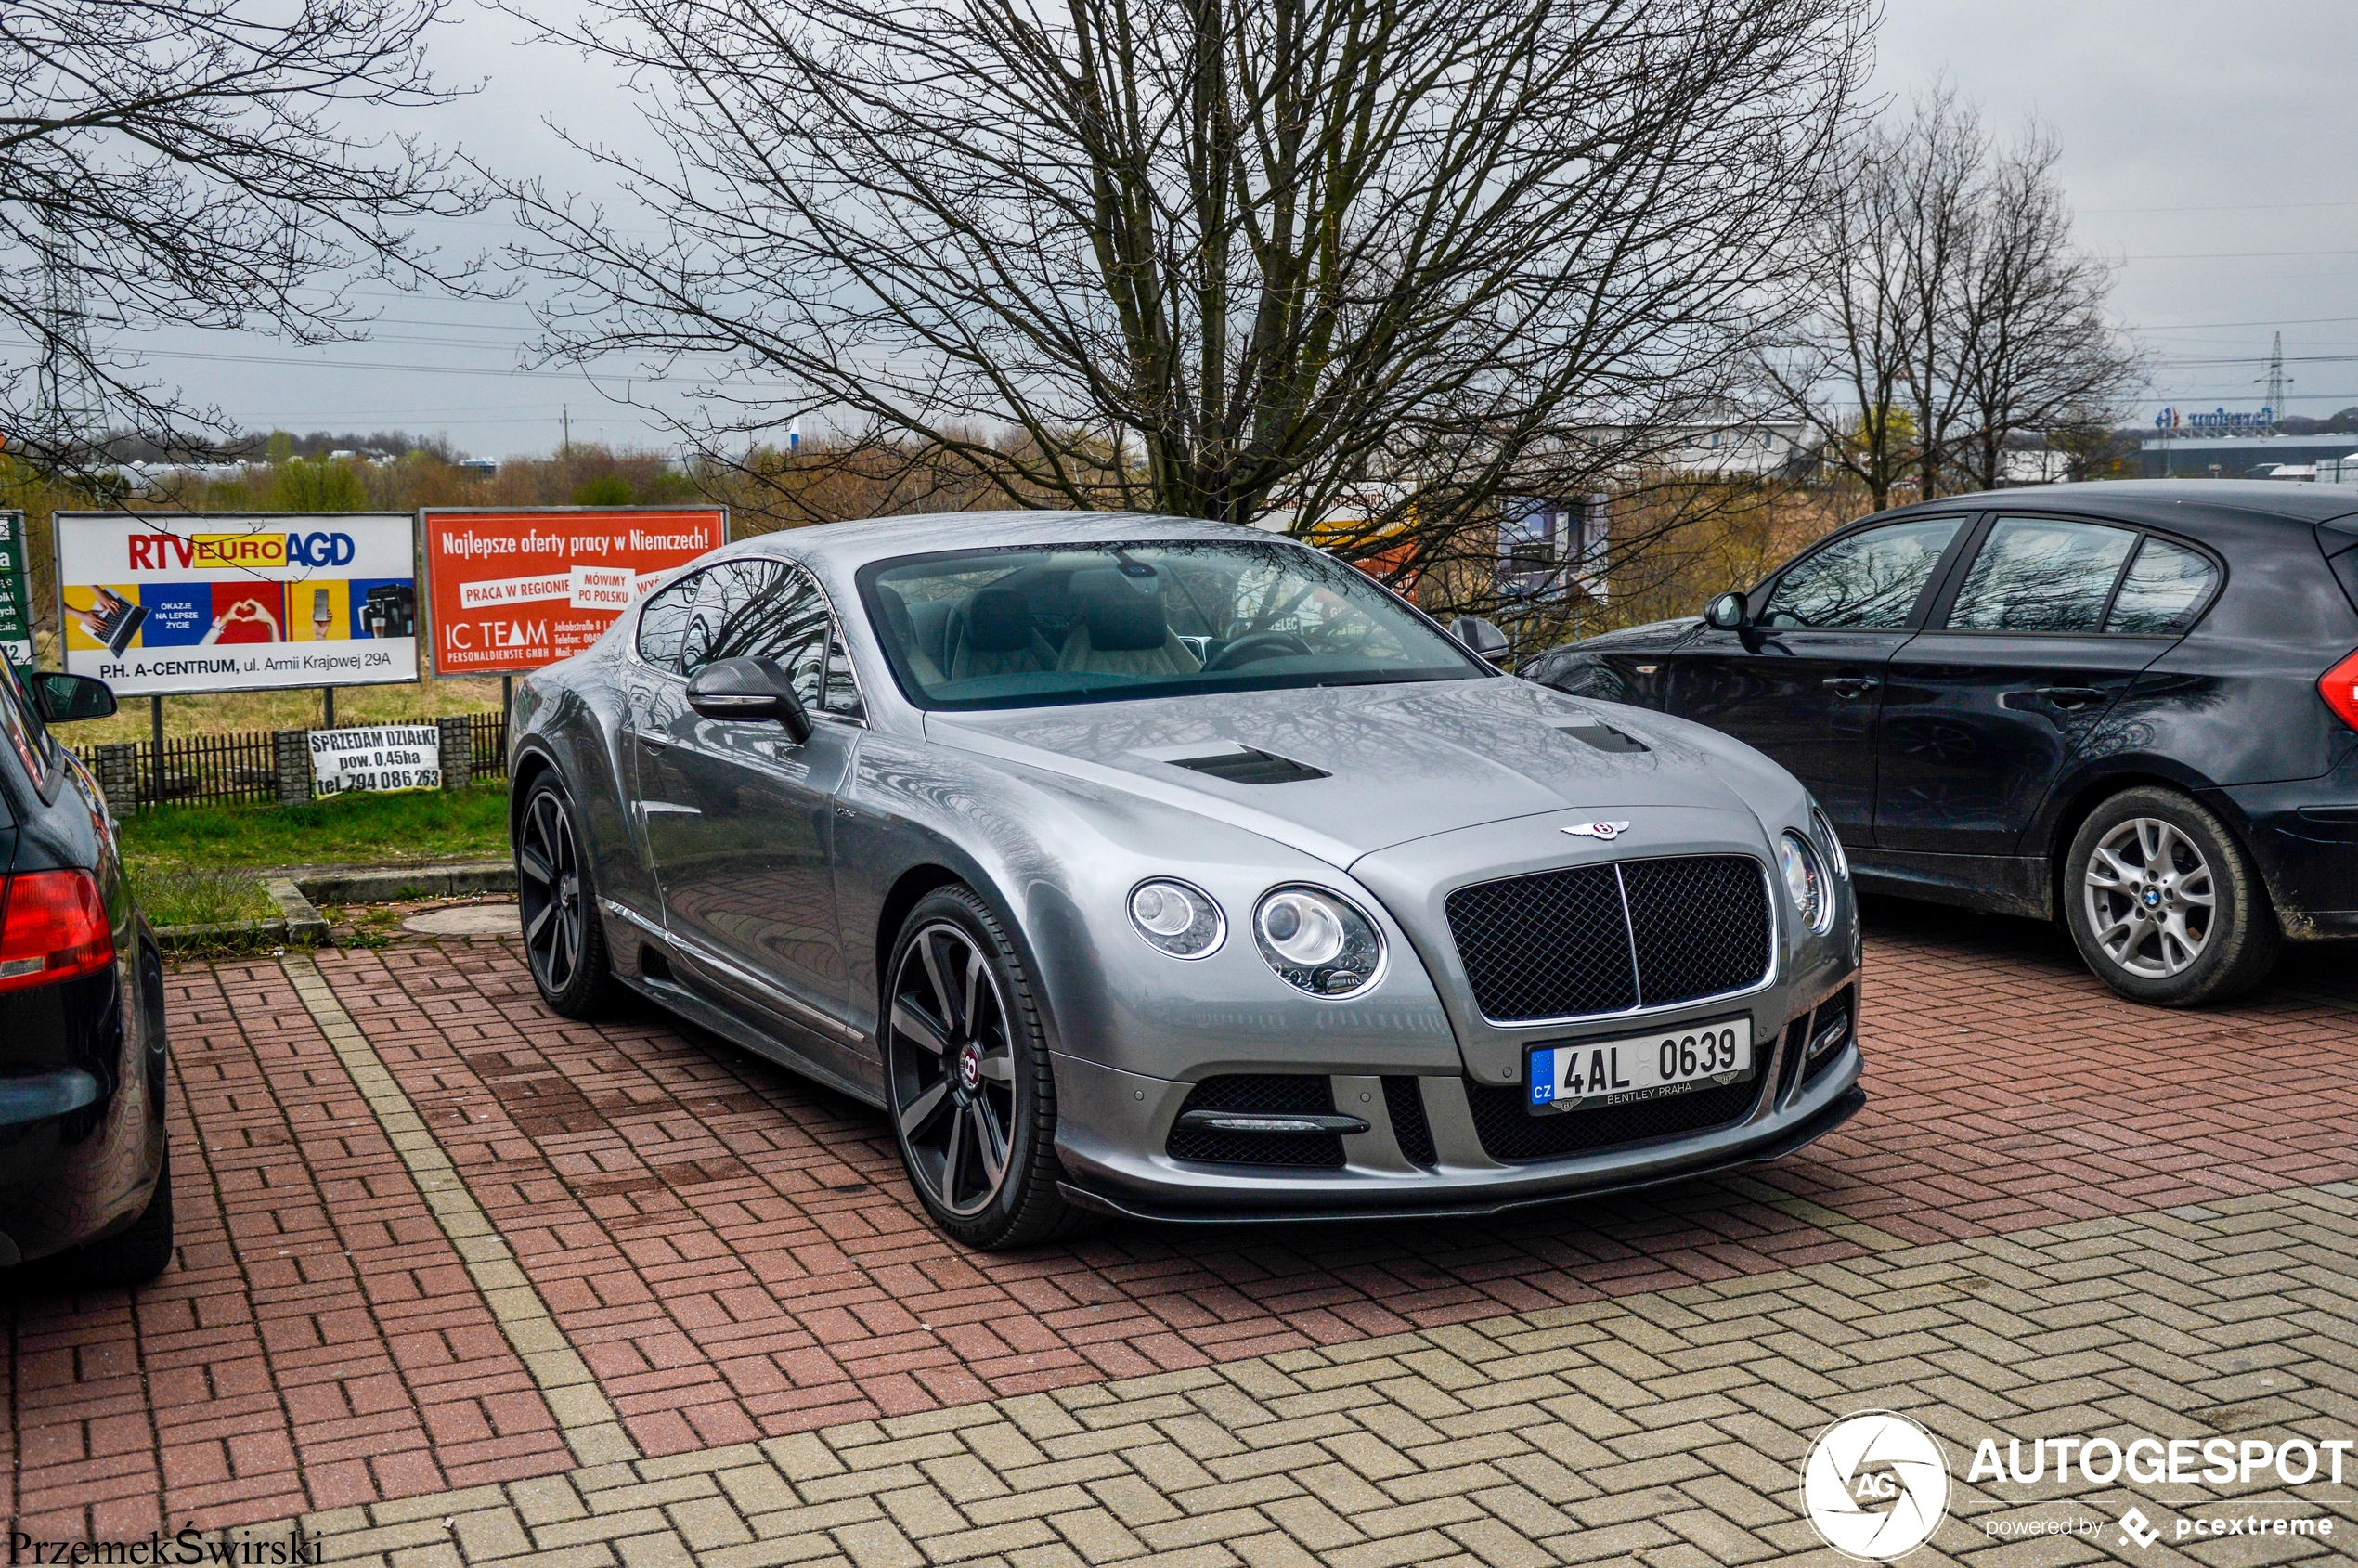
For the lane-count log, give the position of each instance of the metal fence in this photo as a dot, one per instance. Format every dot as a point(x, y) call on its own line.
point(244, 766)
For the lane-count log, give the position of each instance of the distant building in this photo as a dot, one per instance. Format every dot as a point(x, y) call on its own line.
point(2033, 465)
point(1740, 447)
point(1548, 546)
point(479, 465)
point(2231, 456)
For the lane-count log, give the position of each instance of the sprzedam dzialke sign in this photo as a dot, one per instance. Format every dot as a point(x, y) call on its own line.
point(387, 758)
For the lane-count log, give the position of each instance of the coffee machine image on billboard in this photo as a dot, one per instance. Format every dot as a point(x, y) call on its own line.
point(389, 610)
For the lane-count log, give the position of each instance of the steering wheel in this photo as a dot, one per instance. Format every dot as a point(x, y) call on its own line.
point(1259, 645)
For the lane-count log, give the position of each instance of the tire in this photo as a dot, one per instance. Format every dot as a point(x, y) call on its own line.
point(967, 1074)
point(2163, 903)
point(135, 1255)
point(564, 939)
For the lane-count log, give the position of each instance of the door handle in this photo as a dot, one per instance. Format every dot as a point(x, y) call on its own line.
point(2072, 697)
point(653, 743)
point(1850, 685)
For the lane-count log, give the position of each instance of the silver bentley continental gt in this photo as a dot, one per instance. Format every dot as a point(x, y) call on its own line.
point(1160, 868)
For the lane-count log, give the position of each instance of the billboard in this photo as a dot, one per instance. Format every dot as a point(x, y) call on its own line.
point(514, 591)
point(166, 603)
point(16, 595)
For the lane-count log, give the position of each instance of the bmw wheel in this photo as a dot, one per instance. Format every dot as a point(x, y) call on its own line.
point(2164, 904)
point(564, 943)
point(968, 1081)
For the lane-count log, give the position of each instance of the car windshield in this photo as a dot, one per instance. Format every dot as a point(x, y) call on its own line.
point(1037, 628)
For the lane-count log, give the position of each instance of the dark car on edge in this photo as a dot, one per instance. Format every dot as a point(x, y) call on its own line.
point(82, 1171)
point(2132, 706)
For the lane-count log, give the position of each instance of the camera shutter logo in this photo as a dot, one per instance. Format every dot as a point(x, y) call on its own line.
point(1875, 1486)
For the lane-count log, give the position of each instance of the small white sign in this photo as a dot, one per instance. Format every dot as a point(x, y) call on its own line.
point(391, 756)
point(604, 587)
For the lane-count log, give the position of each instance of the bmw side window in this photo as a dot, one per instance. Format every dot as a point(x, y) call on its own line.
point(2039, 575)
point(28, 737)
point(843, 691)
point(1870, 581)
point(2165, 585)
point(663, 624)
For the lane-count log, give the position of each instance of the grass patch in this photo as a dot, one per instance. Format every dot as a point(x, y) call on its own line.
point(459, 824)
point(182, 895)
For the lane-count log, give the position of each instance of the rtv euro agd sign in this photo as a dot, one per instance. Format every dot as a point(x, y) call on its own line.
point(387, 758)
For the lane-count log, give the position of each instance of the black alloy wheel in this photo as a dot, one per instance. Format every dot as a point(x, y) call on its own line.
point(564, 939)
point(972, 1101)
point(2163, 903)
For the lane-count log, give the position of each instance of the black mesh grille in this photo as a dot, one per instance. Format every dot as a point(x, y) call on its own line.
point(1797, 1042)
point(1701, 922)
point(1404, 1098)
point(1545, 946)
point(1267, 1093)
point(1262, 1091)
point(1557, 944)
point(1510, 1133)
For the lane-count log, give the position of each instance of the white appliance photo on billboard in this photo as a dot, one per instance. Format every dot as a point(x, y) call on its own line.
point(159, 604)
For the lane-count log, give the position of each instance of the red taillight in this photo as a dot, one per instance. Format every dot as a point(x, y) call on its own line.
point(2338, 686)
point(55, 928)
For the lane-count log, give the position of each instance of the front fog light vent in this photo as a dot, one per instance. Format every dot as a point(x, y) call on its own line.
point(1317, 941)
point(1180, 920)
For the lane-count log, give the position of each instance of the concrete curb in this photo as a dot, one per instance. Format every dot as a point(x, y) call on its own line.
point(453, 879)
point(305, 924)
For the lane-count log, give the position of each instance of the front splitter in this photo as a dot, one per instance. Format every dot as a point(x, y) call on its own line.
point(1798, 1137)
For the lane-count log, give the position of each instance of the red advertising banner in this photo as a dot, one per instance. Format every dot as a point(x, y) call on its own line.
point(512, 591)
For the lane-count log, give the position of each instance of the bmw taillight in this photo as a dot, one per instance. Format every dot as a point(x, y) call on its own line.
point(2338, 686)
point(53, 929)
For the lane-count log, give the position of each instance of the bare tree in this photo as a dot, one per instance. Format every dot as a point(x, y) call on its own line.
point(1844, 367)
point(184, 162)
point(1950, 310)
point(1289, 259)
point(2036, 351)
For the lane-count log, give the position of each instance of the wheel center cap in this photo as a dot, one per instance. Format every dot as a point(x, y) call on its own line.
point(970, 1068)
point(2153, 898)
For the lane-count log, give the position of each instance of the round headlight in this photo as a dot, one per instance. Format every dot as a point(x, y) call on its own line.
point(1805, 882)
point(1831, 843)
point(1181, 921)
point(1317, 941)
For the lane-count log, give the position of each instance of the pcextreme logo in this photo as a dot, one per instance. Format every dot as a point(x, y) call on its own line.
point(1875, 1486)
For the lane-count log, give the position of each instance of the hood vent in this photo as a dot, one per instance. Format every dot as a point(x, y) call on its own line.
point(1604, 737)
point(1244, 765)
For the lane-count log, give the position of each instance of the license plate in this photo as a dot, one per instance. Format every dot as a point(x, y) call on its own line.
point(1584, 1075)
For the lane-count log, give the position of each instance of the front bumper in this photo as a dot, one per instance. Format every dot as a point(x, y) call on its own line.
point(1114, 1129)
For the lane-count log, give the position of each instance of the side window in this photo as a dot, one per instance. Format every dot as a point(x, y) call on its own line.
point(2035, 575)
point(1869, 581)
point(768, 610)
point(663, 623)
point(28, 737)
point(2164, 585)
point(843, 691)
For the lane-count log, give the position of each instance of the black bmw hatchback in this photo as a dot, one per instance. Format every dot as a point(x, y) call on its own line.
point(2132, 706)
point(83, 1171)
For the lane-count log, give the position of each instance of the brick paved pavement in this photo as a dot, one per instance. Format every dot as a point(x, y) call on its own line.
point(732, 1255)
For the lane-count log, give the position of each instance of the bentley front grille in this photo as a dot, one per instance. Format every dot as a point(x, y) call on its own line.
point(1611, 939)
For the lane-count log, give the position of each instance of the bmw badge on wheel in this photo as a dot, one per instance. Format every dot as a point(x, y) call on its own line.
point(1875, 1486)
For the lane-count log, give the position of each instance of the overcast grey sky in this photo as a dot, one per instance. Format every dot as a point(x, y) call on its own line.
point(2209, 149)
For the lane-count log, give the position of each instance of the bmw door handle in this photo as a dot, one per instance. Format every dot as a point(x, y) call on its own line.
point(1850, 685)
point(2068, 697)
point(653, 743)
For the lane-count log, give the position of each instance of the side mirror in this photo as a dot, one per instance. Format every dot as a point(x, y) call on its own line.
point(1482, 638)
point(749, 690)
point(62, 699)
point(1724, 612)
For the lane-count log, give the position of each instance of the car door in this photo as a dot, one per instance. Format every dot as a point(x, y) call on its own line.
point(2042, 632)
point(744, 853)
point(1804, 681)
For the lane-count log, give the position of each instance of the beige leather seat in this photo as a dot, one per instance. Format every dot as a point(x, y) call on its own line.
point(994, 637)
point(1121, 631)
